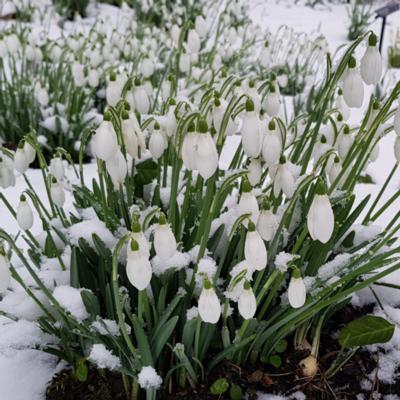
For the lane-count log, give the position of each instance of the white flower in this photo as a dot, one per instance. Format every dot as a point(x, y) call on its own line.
point(117, 168)
point(251, 131)
point(138, 267)
point(57, 193)
point(255, 252)
point(164, 239)
point(200, 26)
point(142, 102)
point(30, 152)
point(272, 147)
point(397, 149)
point(147, 67)
point(184, 62)
point(284, 179)
point(272, 102)
point(342, 106)
point(157, 143)
point(188, 150)
point(93, 78)
point(209, 305)
point(353, 86)
point(396, 122)
point(114, 90)
point(78, 74)
point(175, 32)
point(345, 141)
point(21, 162)
point(265, 55)
point(255, 171)
point(248, 203)
point(149, 379)
point(193, 42)
point(371, 63)
point(56, 167)
point(320, 217)
point(297, 290)
point(206, 155)
point(267, 224)
point(104, 142)
point(7, 177)
point(247, 303)
point(24, 214)
point(5, 274)
point(334, 170)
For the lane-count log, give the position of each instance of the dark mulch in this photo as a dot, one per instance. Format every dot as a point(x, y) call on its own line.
point(286, 380)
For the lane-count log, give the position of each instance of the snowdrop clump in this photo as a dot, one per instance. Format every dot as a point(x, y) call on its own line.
point(194, 257)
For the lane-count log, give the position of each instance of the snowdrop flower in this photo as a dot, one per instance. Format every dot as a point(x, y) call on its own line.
point(334, 170)
point(132, 134)
point(157, 143)
point(272, 102)
point(353, 86)
point(21, 162)
point(320, 217)
point(251, 132)
point(397, 149)
point(24, 214)
point(189, 148)
point(7, 177)
point(255, 171)
point(206, 155)
point(200, 26)
point(247, 303)
point(56, 167)
point(284, 179)
point(41, 95)
point(175, 33)
point(142, 102)
point(265, 55)
point(272, 147)
point(78, 74)
point(164, 239)
point(193, 42)
point(296, 290)
point(117, 168)
point(371, 63)
point(57, 193)
point(30, 152)
point(345, 141)
point(267, 223)
point(138, 235)
point(209, 305)
point(184, 62)
point(342, 106)
point(104, 143)
point(5, 274)
point(149, 379)
point(255, 252)
point(147, 67)
point(248, 203)
point(396, 122)
point(93, 78)
point(138, 267)
point(113, 90)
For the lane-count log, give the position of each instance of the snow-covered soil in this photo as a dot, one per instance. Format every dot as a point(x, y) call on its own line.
point(24, 371)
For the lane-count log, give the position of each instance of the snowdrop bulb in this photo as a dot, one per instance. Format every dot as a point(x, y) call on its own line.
point(21, 162)
point(272, 102)
point(371, 63)
point(255, 171)
point(209, 305)
point(272, 147)
point(251, 132)
point(117, 168)
point(255, 252)
point(24, 214)
point(57, 193)
point(5, 274)
point(138, 267)
point(157, 143)
point(297, 290)
point(267, 224)
point(284, 179)
point(104, 142)
point(193, 42)
point(248, 203)
point(320, 217)
point(247, 303)
point(164, 239)
point(353, 86)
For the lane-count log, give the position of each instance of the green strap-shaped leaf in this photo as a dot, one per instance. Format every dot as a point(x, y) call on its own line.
point(366, 330)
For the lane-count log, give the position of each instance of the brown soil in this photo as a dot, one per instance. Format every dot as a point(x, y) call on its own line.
point(286, 380)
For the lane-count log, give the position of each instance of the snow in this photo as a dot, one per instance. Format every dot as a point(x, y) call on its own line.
point(70, 299)
point(103, 358)
point(148, 378)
